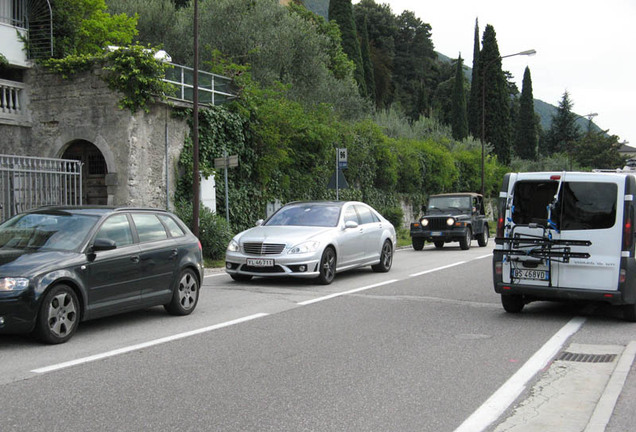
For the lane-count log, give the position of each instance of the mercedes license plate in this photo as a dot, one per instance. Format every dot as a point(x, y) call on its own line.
point(542, 275)
point(260, 262)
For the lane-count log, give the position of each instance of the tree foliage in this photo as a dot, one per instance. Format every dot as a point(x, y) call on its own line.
point(526, 137)
point(459, 120)
point(341, 12)
point(497, 128)
point(83, 27)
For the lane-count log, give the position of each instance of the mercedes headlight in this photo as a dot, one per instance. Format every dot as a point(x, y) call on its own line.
point(13, 284)
point(306, 247)
point(233, 246)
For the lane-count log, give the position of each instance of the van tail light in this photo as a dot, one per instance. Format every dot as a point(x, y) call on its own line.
point(499, 268)
point(628, 227)
point(501, 218)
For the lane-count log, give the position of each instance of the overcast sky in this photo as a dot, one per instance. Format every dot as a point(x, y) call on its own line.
point(583, 47)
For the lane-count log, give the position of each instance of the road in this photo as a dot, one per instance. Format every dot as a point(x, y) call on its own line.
point(425, 347)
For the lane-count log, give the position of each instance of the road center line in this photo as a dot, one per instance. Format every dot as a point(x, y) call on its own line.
point(330, 296)
point(145, 344)
point(495, 406)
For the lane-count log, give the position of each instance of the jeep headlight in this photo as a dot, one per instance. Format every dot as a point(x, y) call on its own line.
point(306, 247)
point(233, 246)
point(450, 221)
point(13, 284)
point(424, 222)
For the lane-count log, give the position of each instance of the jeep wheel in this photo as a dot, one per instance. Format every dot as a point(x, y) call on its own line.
point(512, 303)
point(418, 243)
point(439, 244)
point(464, 243)
point(482, 240)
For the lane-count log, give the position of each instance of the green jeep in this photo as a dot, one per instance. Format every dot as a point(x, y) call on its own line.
point(456, 217)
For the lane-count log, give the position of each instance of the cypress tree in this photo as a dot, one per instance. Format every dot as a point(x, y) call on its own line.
point(459, 120)
point(526, 131)
point(341, 11)
point(563, 131)
point(496, 101)
point(474, 100)
point(365, 49)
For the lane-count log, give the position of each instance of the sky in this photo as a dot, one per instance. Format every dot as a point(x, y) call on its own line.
point(587, 48)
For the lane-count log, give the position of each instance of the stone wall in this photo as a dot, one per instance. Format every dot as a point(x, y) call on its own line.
point(141, 150)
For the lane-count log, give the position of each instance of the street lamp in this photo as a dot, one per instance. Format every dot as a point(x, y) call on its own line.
point(483, 106)
point(195, 126)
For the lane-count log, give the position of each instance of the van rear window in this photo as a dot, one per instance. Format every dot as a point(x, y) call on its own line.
point(580, 206)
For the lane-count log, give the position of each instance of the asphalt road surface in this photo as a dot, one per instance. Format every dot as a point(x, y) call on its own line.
point(425, 347)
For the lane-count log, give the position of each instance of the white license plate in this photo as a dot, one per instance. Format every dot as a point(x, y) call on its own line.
point(542, 275)
point(436, 233)
point(260, 262)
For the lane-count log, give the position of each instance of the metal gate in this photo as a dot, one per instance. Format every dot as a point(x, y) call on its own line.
point(29, 182)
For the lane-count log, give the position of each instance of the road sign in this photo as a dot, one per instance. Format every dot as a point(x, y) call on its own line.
point(342, 158)
point(226, 162)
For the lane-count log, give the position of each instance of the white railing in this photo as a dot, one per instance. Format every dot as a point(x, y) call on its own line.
point(12, 100)
point(213, 89)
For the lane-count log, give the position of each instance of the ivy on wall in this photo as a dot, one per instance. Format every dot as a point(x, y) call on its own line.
point(132, 71)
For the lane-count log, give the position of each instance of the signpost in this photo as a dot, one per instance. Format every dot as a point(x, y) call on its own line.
point(226, 162)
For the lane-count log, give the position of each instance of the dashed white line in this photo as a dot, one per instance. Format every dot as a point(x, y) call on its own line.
point(330, 296)
point(145, 344)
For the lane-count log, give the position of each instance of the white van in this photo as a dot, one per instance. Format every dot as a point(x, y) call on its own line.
point(566, 236)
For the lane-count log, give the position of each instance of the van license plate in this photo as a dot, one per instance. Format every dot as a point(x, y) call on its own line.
point(542, 275)
point(260, 262)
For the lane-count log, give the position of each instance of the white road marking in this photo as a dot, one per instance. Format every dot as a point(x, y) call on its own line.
point(214, 275)
point(449, 266)
point(145, 344)
point(495, 406)
point(330, 296)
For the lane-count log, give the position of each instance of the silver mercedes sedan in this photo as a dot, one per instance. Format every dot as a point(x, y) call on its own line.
point(313, 240)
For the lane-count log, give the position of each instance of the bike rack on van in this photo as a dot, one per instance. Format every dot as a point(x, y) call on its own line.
point(541, 246)
point(537, 248)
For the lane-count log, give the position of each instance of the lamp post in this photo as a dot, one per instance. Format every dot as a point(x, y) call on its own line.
point(195, 126)
point(483, 107)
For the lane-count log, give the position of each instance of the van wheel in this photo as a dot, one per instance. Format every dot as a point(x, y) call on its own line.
point(418, 243)
point(464, 243)
point(629, 312)
point(482, 240)
point(512, 303)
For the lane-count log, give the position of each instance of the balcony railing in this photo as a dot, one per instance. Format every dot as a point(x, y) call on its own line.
point(213, 89)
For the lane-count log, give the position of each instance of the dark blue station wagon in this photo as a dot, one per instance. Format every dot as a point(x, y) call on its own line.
point(63, 265)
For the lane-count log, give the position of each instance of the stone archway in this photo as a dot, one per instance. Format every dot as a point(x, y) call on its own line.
point(94, 171)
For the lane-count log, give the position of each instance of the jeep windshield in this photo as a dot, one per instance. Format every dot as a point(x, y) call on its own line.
point(449, 203)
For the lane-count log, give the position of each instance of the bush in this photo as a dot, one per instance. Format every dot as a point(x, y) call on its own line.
point(214, 231)
point(395, 215)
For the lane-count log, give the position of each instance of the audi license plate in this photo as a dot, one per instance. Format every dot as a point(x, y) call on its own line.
point(542, 275)
point(260, 262)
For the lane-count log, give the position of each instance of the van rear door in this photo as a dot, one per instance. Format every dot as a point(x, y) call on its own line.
point(591, 209)
point(584, 218)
